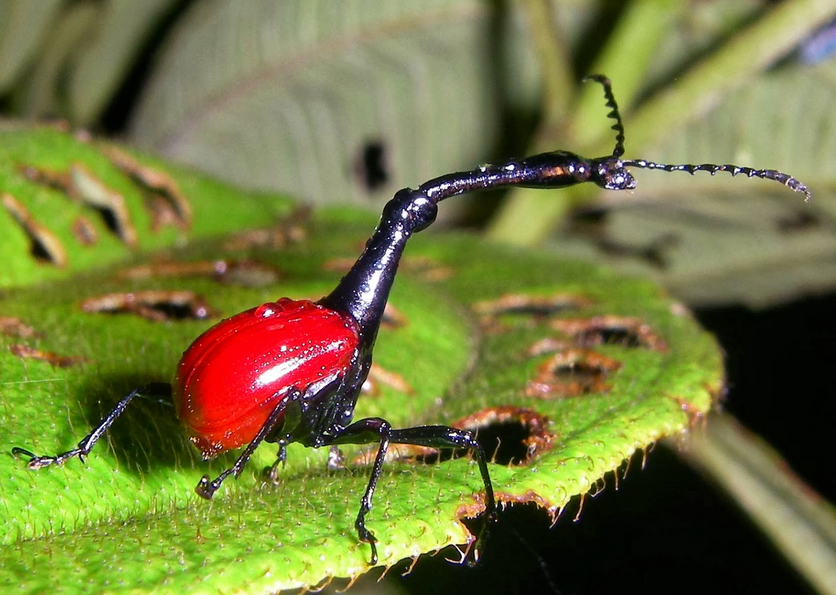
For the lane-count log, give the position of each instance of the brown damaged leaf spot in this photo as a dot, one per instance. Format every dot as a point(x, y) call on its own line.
point(570, 373)
point(154, 305)
point(93, 193)
point(611, 330)
point(42, 176)
point(84, 231)
point(531, 309)
point(83, 187)
point(45, 245)
point(392, 317)
point(14, 327)
point(245, 273)
point(427, 269)
point(164, 199)
point(291, 230)
point(58, 361)
point(424, 267)
point(509, 436)
point(378, 376)
point(338, 265)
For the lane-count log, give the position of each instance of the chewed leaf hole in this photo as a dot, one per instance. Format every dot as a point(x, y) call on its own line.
point(610, 330)
point(570, 373)
point(14, 327)
point(243, 273)
point(381, 377)
point(530, 305)
point(157, 306)
point(519, 309)
point(291, 230)
point(509, 435)
point(167, 205)
point(54, 359)
point(44, 245)
point(82, 186)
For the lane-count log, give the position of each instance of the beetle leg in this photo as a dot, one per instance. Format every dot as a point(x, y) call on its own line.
point(336, 459)
point(365, 431)
point(89, 441)
point(373, 429)
point(281, 457)
point(451, 438)
point(206, 488)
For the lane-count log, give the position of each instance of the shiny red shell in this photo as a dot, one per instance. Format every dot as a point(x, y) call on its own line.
point(233, 376)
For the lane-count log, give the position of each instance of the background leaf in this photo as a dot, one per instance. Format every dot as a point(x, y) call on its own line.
point(312, 86)
point(717, 241)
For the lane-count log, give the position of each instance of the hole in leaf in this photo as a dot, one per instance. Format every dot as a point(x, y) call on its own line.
point(610, 330)
point(291, 230)
point(84, 231)
point(93, 193)
point(14, 327)
point(508, 435)
point(392, 317)
point(525, 309)
point(154, 305)
point(371, 167)
point(570, 373)
point(58, 361)
point(83, 187)
point(245, 273)
point(44, 245)
point(379, 376)
point(167, 204)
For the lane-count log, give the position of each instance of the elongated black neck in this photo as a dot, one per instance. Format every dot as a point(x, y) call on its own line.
point(364, 291)
point(556, 169)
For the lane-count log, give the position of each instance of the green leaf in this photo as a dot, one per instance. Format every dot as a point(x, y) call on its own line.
point(104, 61)
point(86, 217)
point(24, 26)
point(485, 335)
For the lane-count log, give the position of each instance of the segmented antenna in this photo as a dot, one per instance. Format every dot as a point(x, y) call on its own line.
point(618, 151)
point(767, 174)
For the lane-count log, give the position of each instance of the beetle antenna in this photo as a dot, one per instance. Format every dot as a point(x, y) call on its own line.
point(618, 151)
point(766, 174)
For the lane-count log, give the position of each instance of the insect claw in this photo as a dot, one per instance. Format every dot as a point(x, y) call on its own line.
point(206, 488)
point(373, 544)
point(22, 452)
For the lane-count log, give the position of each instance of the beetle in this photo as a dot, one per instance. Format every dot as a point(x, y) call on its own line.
point(292, 370)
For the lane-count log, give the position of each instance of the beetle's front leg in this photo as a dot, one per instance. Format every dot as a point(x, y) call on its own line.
point(89, 441)
point(206, 488)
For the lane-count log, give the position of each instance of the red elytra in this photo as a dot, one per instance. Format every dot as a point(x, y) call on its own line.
point(233, 376)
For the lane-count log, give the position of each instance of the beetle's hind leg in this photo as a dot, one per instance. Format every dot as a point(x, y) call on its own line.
point(89, 441)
